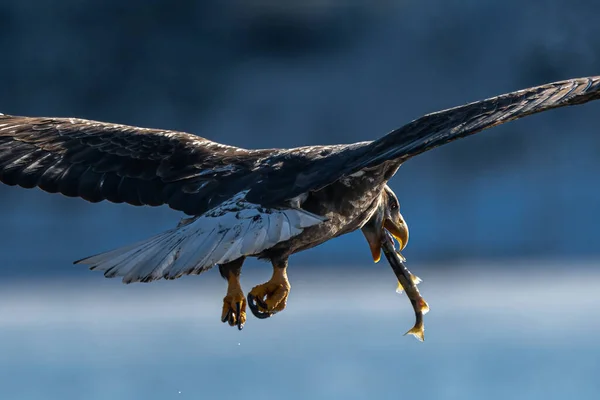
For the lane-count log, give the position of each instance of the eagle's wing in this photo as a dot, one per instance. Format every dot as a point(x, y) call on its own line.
point(439, 128)
point(428, 132)
point(100, 161)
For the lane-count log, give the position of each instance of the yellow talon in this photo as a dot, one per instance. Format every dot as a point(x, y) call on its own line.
point(234, 303)
point(270, 297)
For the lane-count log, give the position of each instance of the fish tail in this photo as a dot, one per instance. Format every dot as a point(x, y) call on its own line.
point(415, 280)
point(417, 331)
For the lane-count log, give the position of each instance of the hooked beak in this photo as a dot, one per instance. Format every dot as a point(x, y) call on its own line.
point(374, 232)
point(399, 231)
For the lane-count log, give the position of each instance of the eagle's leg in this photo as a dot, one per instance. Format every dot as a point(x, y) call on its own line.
point(234, 303)
point(271, 297)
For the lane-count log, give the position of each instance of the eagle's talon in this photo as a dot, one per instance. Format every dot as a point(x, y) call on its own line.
point(262, 315)
point(234, 310)
point(225, 316)
point(255, 305)
point(260, 303)
point(274, 292)
point(238, 311)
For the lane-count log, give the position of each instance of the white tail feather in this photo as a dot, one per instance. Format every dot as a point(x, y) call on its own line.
point(217, 237)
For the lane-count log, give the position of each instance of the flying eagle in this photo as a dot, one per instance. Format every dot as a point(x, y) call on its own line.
point(268, 203)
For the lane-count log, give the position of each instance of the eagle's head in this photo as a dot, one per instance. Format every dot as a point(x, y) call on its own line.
point(386, 216)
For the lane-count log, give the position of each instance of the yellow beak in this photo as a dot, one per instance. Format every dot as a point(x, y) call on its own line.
point(399, 232)
point(374, 233)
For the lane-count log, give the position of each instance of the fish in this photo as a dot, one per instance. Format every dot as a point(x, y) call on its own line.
point(407, 282)
point(415, 280)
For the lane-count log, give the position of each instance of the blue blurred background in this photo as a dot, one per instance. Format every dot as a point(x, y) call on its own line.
point(503, 224)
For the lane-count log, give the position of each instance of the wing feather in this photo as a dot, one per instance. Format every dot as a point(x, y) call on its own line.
point(439, 128)
point(274, 228)
point(331, 163)
point(100, 161)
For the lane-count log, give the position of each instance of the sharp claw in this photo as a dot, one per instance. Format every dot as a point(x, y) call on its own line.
point(261, 303)
point(262, 315)
point(226, 316)
point(253, 304)
point(238, 312)
point(250, 300)
point(256, 301)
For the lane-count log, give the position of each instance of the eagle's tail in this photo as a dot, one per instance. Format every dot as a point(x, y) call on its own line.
point(199, 243)
point(128, 261)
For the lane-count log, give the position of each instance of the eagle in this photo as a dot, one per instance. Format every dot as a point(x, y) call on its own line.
point(239, 203)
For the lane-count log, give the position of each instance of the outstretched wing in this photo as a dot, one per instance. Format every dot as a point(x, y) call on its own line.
point(431, 131)
point(446, 126)
point(100, 161)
